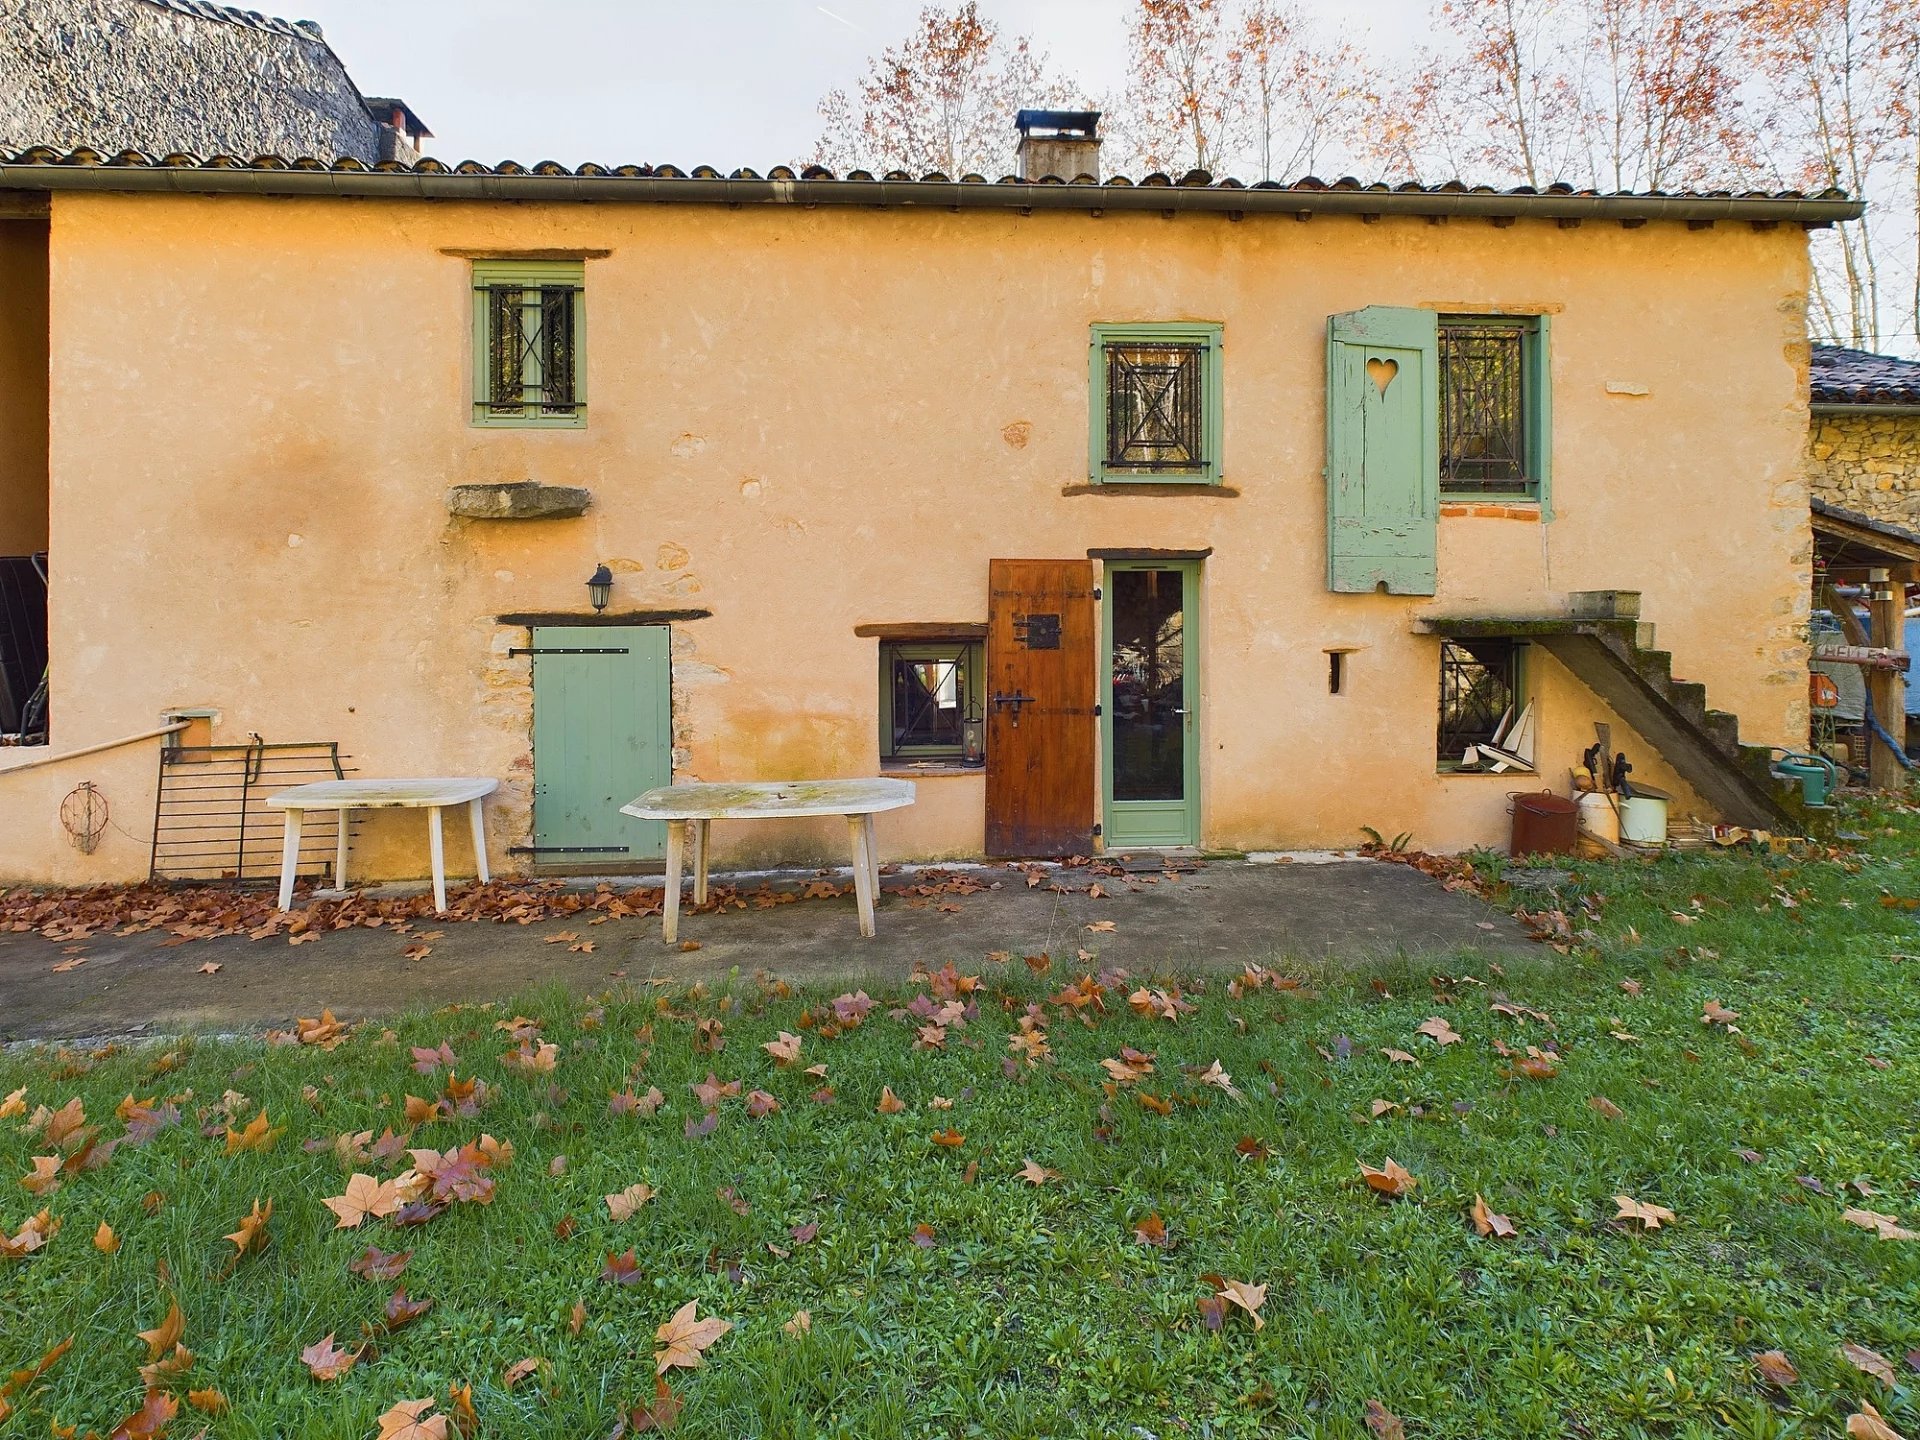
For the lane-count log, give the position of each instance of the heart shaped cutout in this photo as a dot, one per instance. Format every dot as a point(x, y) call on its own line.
point(1381, 372)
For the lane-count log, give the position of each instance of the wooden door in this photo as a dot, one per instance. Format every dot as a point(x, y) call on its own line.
point(1041, 677)
point(602, 734)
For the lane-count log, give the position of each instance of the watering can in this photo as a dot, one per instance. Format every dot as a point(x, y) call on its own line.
point(1819, 777)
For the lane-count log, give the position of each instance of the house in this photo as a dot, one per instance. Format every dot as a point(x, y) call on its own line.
point(1201, 514)
point(186, 77)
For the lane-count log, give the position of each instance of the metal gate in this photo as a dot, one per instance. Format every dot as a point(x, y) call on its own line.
point(210, 820)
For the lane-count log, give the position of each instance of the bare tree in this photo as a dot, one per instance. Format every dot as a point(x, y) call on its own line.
point(1180, 97)
point(1658, 91)
point(1299, 101)
point(942, 100)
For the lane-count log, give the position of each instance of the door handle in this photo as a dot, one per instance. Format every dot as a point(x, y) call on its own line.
point(1180, 710)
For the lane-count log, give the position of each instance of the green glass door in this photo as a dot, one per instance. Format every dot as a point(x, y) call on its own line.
point(1151, 704)
point(602, 734)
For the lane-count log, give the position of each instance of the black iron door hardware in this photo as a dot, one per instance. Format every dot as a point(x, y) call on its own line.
point(1014, 701)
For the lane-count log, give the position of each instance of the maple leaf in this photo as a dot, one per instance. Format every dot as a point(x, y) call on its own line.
point(1866, 1423)
point(45, 1176)
point(327, 1362)
point(1436, 1028)
point(58, 1125)
point(800, 1324)
point(1392, 1179)
point(923, 1236)
point(1604, 1106)
point(532, 1058)
point(212, 967)
point(409, 1421)
point(890, 1103)
point(257, 1136)
point(1487, 1222)
point(624, 1205)
point(401, 1310)
point(326, 1032)
point(1888, 1227)
point(1714, 1013)
point(785, 1050)
point(710, 1092)
point(163, 1372)
point(35, 1232)
point(621, 1269)
point(104, 1240)
point(1775, 1369)
point(760, 1104)
point(14, 1104)
point(1035, 1174)
point(164, 1336)
point(209, 1401)
point(1649, 1217)
point(426, 1061)
point(1152, 1231)
point(951, 1139)
point(1399, 1057)
point(1213, 1075)
point(156, 1412)
point(365, 1197)
point(520, 1370)
point(684, 1337)
point(662, 1414)
point(252, 1234)
point(1869, 1362)
point(373, 1263)
point(1247, 1297)
point(1384, 1423)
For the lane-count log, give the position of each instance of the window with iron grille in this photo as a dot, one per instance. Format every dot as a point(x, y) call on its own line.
point(1479, 685)
point(529, 337)
point(1156, 403)
point(928, 690)
point(1491, 405)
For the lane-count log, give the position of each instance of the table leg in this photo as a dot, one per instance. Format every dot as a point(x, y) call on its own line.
point(862, 872)
point(289, 859)
point(700, 861)
point(670, 902)
point(873, 856)
point(340, 851)
point(479, 840)
point(437, 845)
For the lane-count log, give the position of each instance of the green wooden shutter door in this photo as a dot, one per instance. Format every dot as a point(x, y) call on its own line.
point(602, 734)
point(1383, 450)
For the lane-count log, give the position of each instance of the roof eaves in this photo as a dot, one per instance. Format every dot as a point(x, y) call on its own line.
point(45, 169)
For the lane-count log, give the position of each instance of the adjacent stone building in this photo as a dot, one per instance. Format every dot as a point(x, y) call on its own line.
point(1864, 446)
point(183, 76)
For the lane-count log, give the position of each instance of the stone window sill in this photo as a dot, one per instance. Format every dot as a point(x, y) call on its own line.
point(937, 769)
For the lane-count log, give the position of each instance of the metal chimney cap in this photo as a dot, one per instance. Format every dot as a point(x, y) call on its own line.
point(1081, 123)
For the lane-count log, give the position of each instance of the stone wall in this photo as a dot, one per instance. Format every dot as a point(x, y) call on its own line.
point(167, 75)
point(1868, 463)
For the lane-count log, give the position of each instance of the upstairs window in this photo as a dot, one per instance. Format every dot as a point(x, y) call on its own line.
point(1492, 405)
point(529, 342)
point(1156, 403)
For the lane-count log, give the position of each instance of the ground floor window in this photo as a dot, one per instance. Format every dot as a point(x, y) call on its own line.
point(1479, 683)
point(929, 698)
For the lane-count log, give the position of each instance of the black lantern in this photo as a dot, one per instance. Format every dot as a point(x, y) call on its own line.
point(600, 588)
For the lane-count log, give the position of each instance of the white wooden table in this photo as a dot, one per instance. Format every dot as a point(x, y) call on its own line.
point(699, 805)
point(346, 796)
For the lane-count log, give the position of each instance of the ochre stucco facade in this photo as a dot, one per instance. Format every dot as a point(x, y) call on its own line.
point(807, 420)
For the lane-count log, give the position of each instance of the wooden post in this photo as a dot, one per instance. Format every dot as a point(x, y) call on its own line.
point(1887, 611)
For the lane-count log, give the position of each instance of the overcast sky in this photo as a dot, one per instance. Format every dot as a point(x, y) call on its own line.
point(715, 82)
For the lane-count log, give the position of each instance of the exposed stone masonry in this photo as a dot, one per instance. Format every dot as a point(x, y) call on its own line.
point(1868, 463)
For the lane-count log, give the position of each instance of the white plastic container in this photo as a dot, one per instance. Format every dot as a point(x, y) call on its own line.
point(1598, 817)
point(1643, 820)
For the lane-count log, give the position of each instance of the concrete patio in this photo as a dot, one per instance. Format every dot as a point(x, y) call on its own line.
point(1217, 916)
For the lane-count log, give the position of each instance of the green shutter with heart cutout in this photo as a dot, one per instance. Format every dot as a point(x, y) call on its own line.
point(1383, 451)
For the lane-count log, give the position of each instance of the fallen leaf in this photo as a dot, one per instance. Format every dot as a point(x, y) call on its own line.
point(257, 1135)
point(784, 1050)
point(951, 1139)
point(800, 1324)
point(1649, 1217)
point(1869, 1362)
point(923, 1236)
point(209, 1401)
point(1391, 1179)
point(1487, 1222)
point(1035, 1174)
point(373, 1263)
point(619, 1270)
point(44, 1178)
point(212, 967)
point(1247, 1296)
point(1384, 1423)
point(164, 1336)
point(684, 1337)
point(104, 1240)
point(1399, 1057)
point(326, 1362)
point(1436, 1028)
point(1775, 1369)
point(1888, 1227)
point(890, 1103)
point(252, 1236)
point(365, 1197)
point(156, 1412)
point(624, 1205)
point(401, 1310)
point(1604, 1106)
point(663, 1413)
point(1151, 1231)
point(1866, 1424)
point(519, 1370)
point(64, 966)
point(1714, 1013)
point(409, 1421)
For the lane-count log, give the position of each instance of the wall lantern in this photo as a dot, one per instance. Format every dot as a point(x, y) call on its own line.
point(600, 588)
point(973, 732)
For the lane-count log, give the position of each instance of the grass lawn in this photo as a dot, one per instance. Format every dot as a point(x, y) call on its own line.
point(1035, 1310)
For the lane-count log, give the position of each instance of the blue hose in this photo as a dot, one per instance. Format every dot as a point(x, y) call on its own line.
point(1873, 722)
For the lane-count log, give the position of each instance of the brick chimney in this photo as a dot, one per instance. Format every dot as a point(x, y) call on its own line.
point(1061, 143)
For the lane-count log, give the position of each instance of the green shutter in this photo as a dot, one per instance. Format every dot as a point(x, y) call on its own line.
point(1383, 451)
point(602, 734)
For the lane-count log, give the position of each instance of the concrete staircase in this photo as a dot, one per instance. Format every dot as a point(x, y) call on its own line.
point(1604, 642)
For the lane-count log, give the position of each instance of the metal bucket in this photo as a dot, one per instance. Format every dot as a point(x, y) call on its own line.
point(1543, 823)
point(1643, 819)
point(1599, 816)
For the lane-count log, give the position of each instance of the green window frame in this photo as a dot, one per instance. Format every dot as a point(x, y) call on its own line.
point(1156, 403)
point(530, 344)
point(1496, 441)
point(907, 730)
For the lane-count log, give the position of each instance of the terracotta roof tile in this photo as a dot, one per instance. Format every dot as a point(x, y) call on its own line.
point(1859, 377)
